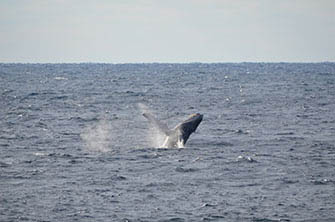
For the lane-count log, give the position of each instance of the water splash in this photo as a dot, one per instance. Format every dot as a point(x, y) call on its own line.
point(97, 137)
point(103, 136)
point(154, 136)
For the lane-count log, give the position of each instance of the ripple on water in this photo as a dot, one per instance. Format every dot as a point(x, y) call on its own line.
point(264, 151)
point(186, 170)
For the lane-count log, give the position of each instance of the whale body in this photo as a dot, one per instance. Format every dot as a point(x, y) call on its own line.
point(178, 136)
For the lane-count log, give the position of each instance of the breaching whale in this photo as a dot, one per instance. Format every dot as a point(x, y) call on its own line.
point(177, 137)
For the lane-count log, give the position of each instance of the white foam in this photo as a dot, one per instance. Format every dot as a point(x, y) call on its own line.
point(60, 78)
point(39, 154)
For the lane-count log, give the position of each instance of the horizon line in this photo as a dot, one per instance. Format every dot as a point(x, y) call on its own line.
point(129, 63)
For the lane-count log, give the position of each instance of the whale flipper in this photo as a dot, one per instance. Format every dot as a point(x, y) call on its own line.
point(162, 127)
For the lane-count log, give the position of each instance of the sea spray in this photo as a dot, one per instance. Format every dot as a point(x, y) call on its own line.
point(155, 137)
point(105, 136)
point(97, 136)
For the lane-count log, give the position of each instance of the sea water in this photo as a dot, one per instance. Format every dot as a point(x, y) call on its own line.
point(74, 145)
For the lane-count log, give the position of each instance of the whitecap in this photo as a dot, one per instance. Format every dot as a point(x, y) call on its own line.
point(60, 78)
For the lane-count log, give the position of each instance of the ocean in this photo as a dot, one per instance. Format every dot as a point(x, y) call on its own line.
point(74, 145)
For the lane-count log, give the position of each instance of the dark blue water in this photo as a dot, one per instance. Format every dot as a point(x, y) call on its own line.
point(74, 146)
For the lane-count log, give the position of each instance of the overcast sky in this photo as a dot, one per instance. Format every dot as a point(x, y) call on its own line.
point(122, 31)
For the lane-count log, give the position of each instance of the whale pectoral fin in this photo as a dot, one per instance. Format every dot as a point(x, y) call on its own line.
point(162, 127)
point(165, 144)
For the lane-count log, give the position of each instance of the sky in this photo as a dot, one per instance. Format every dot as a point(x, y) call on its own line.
point(173, 31)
